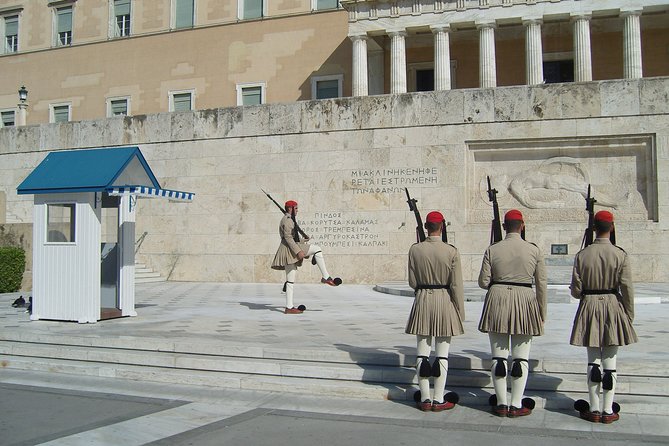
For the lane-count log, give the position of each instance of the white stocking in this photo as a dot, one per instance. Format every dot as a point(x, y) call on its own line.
point(499, 346)
point(594, 357)
point(609, 363)
point(442, 346)
point(520, 350)
point(291, 273)
point(320, 260)
point(423, 348)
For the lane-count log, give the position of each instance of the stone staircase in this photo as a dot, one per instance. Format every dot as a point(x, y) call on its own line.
point(145, 274)
point(360, 373)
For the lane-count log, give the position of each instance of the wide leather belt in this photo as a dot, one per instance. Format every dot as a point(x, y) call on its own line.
point(526, 285)
point(586, 292)
point(433, 287)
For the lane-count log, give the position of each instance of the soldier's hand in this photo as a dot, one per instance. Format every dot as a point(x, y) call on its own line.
point(300, 255)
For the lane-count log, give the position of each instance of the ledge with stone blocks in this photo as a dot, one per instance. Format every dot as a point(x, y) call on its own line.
point(649, 96)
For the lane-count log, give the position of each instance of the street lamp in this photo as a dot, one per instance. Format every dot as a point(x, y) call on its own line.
point(23, 94)
point(22, 114)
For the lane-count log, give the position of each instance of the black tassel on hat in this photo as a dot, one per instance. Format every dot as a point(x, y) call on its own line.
point(595, 373)
point(607, 380)
point(424, 371)
point(500, 368)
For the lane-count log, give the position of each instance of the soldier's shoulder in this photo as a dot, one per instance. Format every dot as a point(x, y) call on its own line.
point(616, 246)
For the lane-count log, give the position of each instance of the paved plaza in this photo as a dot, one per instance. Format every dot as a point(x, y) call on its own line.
point(349, 318)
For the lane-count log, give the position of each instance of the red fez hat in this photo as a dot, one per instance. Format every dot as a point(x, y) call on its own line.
point(291, 204)
point(434, 217)
point(513, 214)
point(604, 216)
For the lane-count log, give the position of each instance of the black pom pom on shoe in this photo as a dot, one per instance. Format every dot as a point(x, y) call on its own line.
point(582, 406)
point(528, 403)
point(452, 397)
point(492, 400)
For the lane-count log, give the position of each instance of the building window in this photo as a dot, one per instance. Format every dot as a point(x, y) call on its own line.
point(121, 18)
point(251, 94)
point(11, 34)
point(319, 5)
point(118, 107)
point(64, 26)
point(60, 224)
point(59, 112)
point(558, 71)
point(181, 101)
point(325, 87)
point(251, 9)
point(183, 13)
point(7, 118)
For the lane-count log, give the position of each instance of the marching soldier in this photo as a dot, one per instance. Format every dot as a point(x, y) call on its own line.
point(602, 280)
point(292, 251)
point(438, 311)
point(512, 311)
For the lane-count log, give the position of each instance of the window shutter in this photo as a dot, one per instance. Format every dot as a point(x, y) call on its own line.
point(119, 107)
point(252, 9)
point(252, 96)
point(11, 26)
point(327, 4)
point(61, 113)
point(64, 20)
point(327, 89)
point(182, 102)
point(121, 7)
point(184, 14)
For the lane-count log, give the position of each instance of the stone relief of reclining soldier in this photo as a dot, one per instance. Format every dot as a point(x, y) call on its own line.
point(535, 188)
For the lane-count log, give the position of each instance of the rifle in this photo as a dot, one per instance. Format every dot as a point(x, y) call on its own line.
point(283, 211)
point(496, 227)
point(590, 207)
point(420, 232)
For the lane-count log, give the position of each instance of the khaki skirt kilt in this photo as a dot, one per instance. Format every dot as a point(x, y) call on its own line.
point(601, 321)
point(512, 310)
point(285, 257)
point(433, 314)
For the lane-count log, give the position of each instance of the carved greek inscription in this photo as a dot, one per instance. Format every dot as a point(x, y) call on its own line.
point(392, 180)
point(337, 230)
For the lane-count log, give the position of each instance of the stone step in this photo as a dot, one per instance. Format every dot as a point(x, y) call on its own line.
point(145, 274)
point(461, 373)
point(469, 396)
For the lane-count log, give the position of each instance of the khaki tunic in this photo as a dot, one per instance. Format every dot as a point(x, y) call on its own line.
point(436, 312)
point(288, 249)
point(603, 319)
point(511, 309)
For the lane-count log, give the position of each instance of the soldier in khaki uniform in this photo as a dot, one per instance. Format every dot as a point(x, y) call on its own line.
point(602, 280)
point(438, 311)
point(512, 310)
point(292, 251)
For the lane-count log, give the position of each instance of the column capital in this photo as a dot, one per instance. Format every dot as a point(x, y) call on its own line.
point(583, 15)
point(440, 28)
point(625, 12)
point(397, 32)
point(532, 20)
point(362, 36)
point(484, 24)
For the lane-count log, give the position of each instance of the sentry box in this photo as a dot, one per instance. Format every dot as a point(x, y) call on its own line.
point(84, 231)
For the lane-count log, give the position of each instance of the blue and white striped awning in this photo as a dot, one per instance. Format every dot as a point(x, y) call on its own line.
point(152, 192)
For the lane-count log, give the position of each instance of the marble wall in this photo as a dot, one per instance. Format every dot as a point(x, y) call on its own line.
point(347, 162)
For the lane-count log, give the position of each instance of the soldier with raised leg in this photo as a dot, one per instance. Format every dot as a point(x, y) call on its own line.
point(292, 250)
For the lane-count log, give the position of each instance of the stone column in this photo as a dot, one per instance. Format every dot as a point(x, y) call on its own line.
point(398, 63)
point(582, 50)
point(487, 66)
point(632, 43)
point(442, 58)
point(534, 63)
point(360, 79)
point(21, 114)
